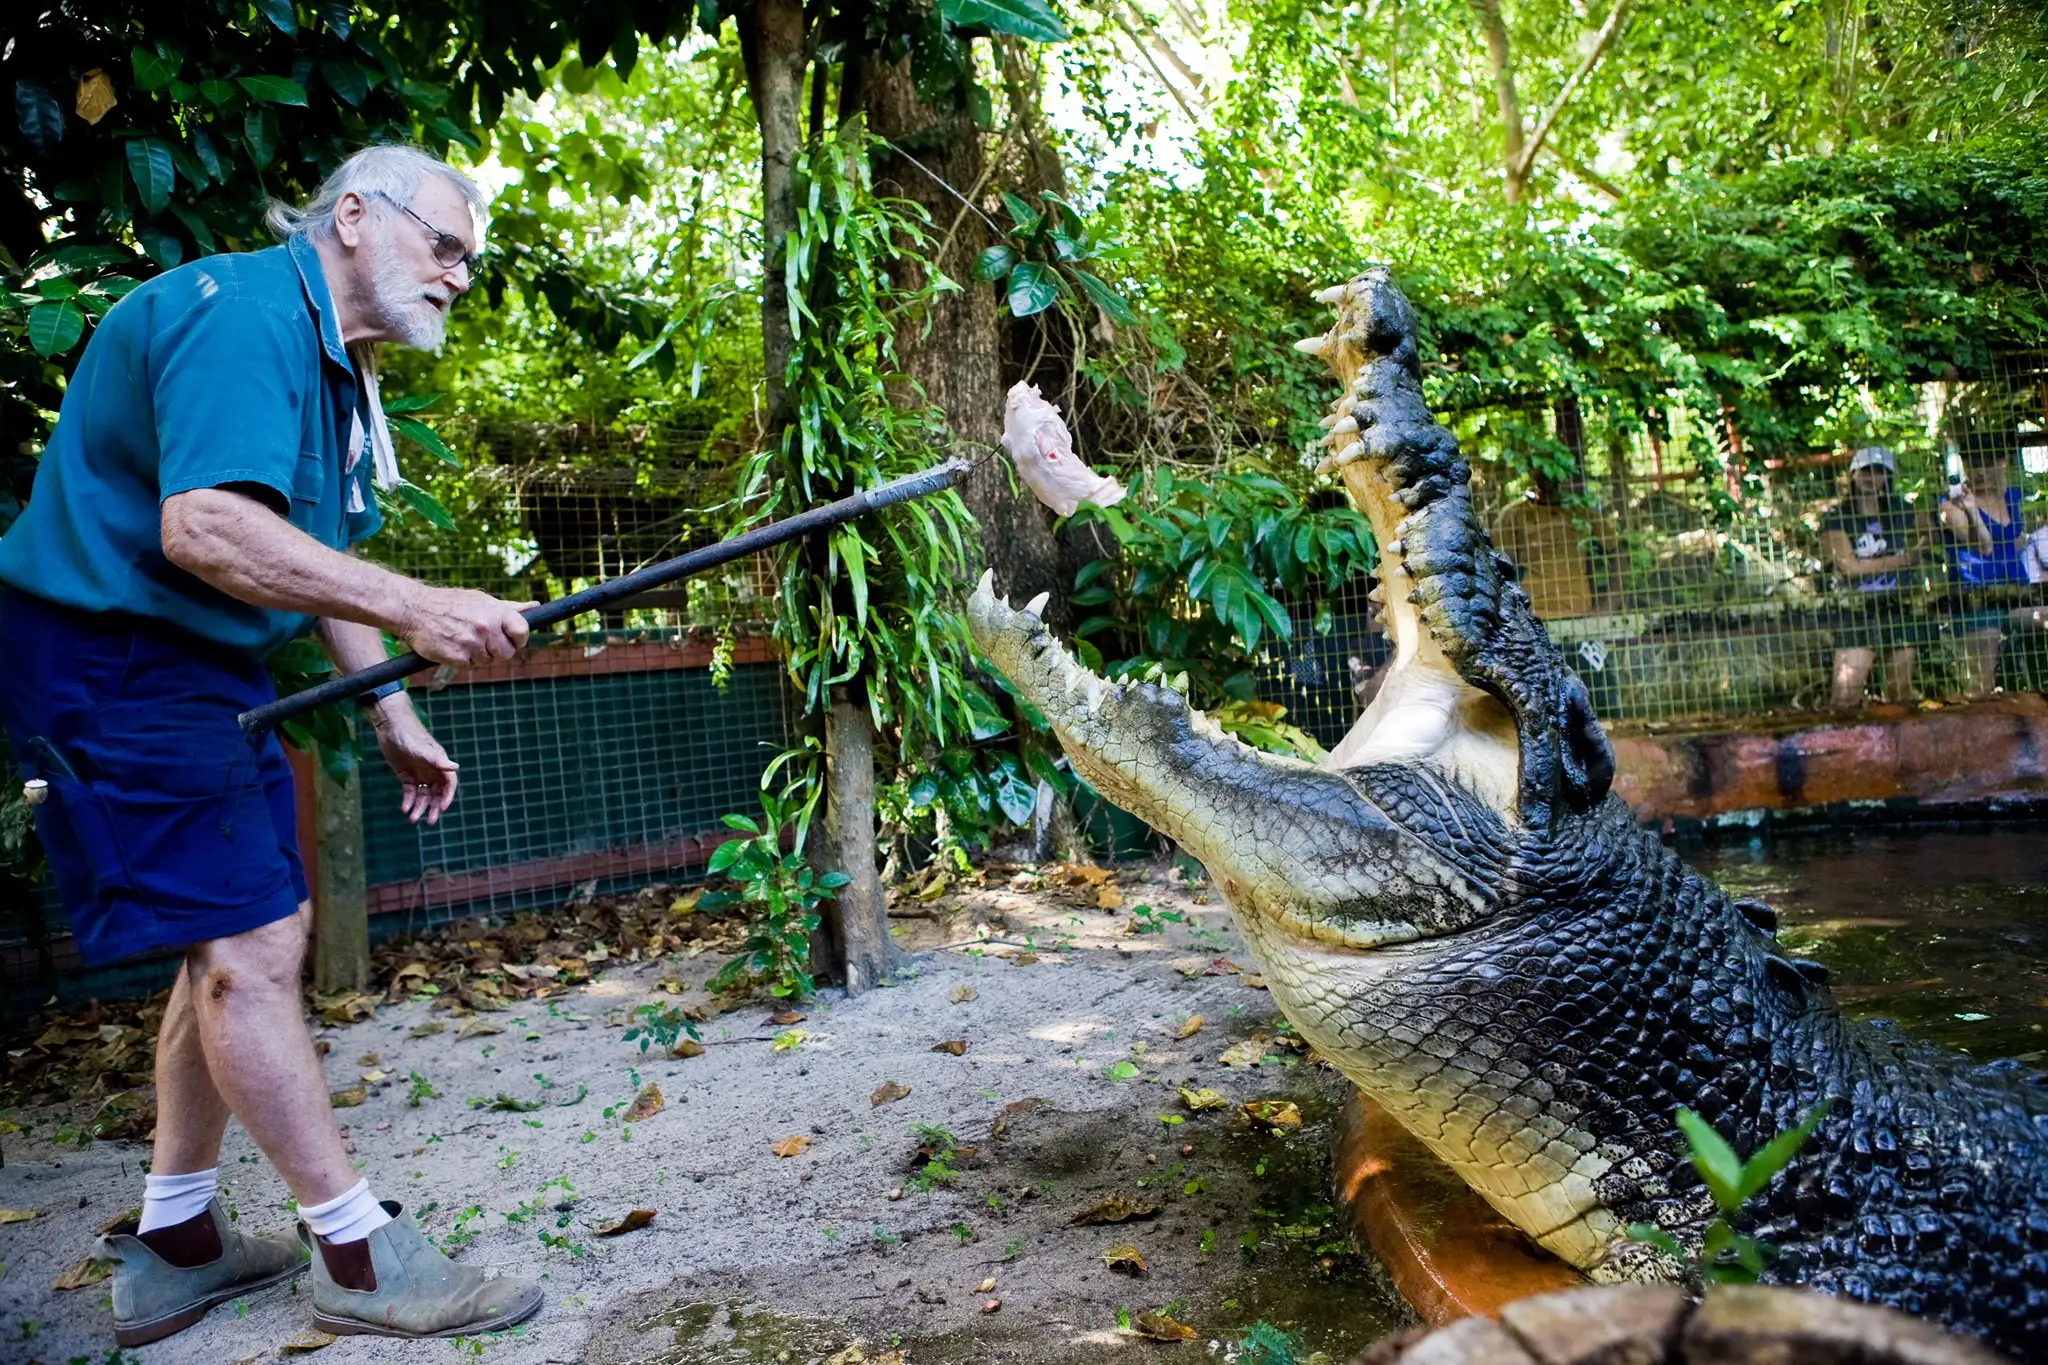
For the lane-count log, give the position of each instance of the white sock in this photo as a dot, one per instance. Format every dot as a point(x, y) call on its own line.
point(171, 1199)
point(348, 1217)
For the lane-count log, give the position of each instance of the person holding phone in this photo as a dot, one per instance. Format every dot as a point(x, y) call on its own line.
point(1980, 518)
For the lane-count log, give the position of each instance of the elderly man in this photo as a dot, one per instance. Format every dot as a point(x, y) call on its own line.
point(195, 509)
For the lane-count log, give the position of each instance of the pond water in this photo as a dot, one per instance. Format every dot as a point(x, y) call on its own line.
point(1942, 930)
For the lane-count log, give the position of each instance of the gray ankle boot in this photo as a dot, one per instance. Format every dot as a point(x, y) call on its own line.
point(153, 1298)
point(419, 1292)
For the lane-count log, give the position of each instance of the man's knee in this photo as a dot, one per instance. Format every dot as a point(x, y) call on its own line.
point(266, 959)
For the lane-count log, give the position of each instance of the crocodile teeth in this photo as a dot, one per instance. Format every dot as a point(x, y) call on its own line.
point(1334, 294)
point(1343, 426)
point(1355, 450)
point(1314, 346)
point(987, 585)
point(1036, 606)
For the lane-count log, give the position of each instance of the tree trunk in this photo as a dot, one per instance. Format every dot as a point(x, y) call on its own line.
point(860, 915)
point(954, 351)
point(341, 900)
point(772, 46)
point(1495, 31)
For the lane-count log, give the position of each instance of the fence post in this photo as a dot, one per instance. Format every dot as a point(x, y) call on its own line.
point(341, 901)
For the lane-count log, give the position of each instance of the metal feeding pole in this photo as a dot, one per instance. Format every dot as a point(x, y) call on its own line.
point(905, 489)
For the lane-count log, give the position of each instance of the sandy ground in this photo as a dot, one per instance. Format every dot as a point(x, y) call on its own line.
point(755, 1257)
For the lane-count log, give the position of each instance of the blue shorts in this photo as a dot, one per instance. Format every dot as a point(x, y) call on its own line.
point(164, 825)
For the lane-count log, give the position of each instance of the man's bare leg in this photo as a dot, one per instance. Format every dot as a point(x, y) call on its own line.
point(190, 1114)
point(1852, 669)
point(245, 995)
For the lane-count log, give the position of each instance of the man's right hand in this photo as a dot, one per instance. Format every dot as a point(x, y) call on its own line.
point(463, 626)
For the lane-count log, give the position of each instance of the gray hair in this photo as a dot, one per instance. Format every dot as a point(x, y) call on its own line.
point(393, 170)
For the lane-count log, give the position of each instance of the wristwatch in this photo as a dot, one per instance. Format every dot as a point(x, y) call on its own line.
point(368, 699)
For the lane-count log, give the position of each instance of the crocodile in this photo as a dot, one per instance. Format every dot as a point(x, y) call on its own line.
point(1458, 914)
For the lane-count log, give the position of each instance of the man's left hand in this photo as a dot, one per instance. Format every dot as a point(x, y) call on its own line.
point(425, 773)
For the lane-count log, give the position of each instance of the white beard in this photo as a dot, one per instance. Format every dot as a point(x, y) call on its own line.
point(398, 300)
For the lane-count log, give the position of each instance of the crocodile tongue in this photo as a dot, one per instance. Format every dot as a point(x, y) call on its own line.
point(1302, 847)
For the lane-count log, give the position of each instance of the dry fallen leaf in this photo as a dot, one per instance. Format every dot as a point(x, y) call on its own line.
point(784, 1018)
point(18, 1215)
point(934, 888)
point(1201, 1099)
point(305, 1343)
point(633, 1221)
point(1160, 1327)
point(1247, 1053)
point(1026, 958)
point(1191, 966)
point(1087, 874)
point(426, 1030)
point(852, 1355)
point(1115, 1209)
point(370, 1059)
point(1271, 1113)
point(987, 1286)
point(961, 994)
point(952, 1047)
point(1108, 898)
point(1221, 966)
point(349, 1098)
point(646, 1104)
point(373, 1076)
point(1126, 1258)
point(91, 1270)
point(888, 1093)
point(1191, 1027)
point(1257, 983)
point(687, 1047)
point(793, 1146)
point(477, 1028)
point(1032, 1105)
point(991, 1305)
point(128, 1216)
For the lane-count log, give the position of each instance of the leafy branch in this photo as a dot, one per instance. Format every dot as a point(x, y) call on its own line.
point(1725, 1255)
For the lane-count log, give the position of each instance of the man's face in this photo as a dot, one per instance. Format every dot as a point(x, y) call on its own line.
point(409, 289)
point(1870, 479)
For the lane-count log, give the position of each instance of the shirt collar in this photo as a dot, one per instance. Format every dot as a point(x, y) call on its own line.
point(318, 301)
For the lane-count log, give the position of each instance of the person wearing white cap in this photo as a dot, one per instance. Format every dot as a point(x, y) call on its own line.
point(1873, 540)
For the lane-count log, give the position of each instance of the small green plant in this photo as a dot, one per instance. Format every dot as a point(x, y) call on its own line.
point(937, 1149)
point(1146, 920)
point(1265, 1344)
point(422, 1090)
point(1012, 1247)
point(1725, 1255)
point(461, 1234)
point(661, 1025)
point(963, 1232)
point(781, 894)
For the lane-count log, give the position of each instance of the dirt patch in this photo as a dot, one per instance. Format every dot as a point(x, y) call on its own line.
point(883, 1231)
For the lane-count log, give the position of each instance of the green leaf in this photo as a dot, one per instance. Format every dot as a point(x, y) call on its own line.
point(411, 402)
point(54, 326)
point(1022, 214)
point(741, 822)
point(1650, 1235)
point(1028, 19)
point(1105, 298)
point(427, 505)
point(923, 791)
point(216, 91)
point(994, 263)
point(279, 13)
point(1773, 1156)
point(423, 436)
point(39, 115)
point(348, 80)
point(725, 855)
point(1122, 1071)
point(273, 89)
point(1714, 1159)
point(80, 259)
point(149, 165)
point(155, 68)
point(832, 881)
point(1031, 289)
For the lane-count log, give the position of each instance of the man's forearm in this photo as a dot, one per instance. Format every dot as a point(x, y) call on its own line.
point(353, 646)
point(234, 543)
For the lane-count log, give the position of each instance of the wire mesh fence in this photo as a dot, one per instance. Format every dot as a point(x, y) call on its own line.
point(603, 758)
point(1687, 578)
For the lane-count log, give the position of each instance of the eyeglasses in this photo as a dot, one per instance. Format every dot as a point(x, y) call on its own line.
point(449, 250)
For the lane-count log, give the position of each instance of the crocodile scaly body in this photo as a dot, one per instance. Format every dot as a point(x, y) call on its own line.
point(1462, 918)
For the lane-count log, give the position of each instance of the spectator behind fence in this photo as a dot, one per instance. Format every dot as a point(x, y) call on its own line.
point(1872, 539)
point(1981, 520)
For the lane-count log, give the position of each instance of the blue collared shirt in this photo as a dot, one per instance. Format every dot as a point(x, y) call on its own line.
point(228, 370)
